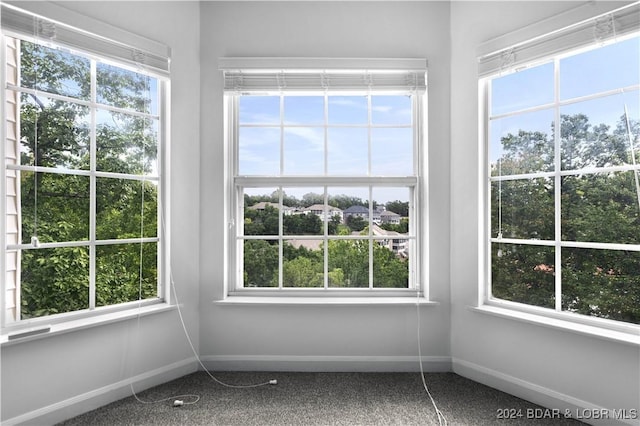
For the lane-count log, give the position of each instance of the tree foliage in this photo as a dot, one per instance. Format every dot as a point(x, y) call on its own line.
point(303, 267)
point(55, 207)
point(600, 207)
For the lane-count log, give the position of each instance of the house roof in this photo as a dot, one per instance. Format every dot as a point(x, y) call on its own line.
point(383, 232)
point(263, 204)
point(388, 213)
point(357, 209)
point(321, 207)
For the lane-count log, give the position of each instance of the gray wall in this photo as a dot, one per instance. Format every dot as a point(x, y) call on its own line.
point(542, 364)
point(62, 375)
point(323, 337)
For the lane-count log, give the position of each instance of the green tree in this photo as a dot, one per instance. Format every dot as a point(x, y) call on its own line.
point(356, 223)
point(402, 227)
point(398, 207)
point(595, 207)
point(260, 264)
point(56, 207)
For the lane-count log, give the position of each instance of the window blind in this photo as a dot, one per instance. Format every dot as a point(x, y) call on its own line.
point(597, 28)
point(303, 74)
point(61, 27)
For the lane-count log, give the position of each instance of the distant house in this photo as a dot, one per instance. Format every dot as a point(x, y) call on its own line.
point(356, 211)
point(318, 210)
point(394, 241)
point(390, 217)
point(262, 205)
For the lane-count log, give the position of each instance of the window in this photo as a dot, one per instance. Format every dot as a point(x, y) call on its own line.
point(563, 177)
point(324, 179)
point(82, 162)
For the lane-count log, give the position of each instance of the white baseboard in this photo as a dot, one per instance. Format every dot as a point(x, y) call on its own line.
point(83, 403)
point(545, 397)
point(430, 364)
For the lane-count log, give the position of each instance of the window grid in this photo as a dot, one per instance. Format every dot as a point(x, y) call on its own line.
point(92, 242)
point(240, 182)
point(558, 243)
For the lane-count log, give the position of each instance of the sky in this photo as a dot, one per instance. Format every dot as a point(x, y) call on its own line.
point(347, 134)
point(612, 67)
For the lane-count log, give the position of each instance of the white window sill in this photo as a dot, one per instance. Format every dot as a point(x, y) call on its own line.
point(80, 324)
point(556, 323)
point(324, 301)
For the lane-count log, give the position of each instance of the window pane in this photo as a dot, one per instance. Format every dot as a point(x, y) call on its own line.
point(604, 68)
point(353, 205)
point(391, 230)
point(54, 280)
point(391, 110)
point(601, 283)
point(60, 130)
point(523, 274)
point(523, 144)
point(259, 109)
point(391, 261)
point(54, 71)
point(304, 110)
point(392, 152)
point(126, 143)
point(391, 209)
point(601, 207)
point(348, 110)
point(524, 208)
point(126, 89)
point(259, 151)
point(261, 211)
point(118, 273)
point(121, 205)
point(260, 263)
point(594, 133)
point(303, 151)
point(55, 207)
point(348, 263)
point(303, 263)
point(523, 89)
point(306, 219)
point(348, 151)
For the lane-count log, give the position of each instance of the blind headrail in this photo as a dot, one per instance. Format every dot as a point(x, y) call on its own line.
point(61, 26)
point(307, 74)
point(578, 27)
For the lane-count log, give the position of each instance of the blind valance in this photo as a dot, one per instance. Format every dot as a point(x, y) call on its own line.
point(60, 27)
point(598, 28)
point(306, 74)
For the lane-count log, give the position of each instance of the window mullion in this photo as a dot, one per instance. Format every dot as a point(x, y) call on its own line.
point(280, 200)
point(557, 188)
point(325, 231)
point(325, 271)
point(370, 227)
point(92, 188)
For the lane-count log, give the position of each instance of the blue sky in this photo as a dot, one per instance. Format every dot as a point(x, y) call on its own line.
point(347, 138)
point(612, 67)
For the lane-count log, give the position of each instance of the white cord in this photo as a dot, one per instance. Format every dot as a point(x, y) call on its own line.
point(177, 402)
point(442, 420)
point(186, 333)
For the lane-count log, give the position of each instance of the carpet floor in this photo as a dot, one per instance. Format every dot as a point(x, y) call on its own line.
point(321, 399)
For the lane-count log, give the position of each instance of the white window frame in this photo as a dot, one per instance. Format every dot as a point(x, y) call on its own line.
point(240, 68)
point(127, 51)
point(566, 34)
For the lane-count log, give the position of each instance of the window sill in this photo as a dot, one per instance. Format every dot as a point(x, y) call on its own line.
point(556, 323)
point(80, 324)
point(324, 301)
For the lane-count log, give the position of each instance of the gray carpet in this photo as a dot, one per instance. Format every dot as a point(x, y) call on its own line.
point(318, 399)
